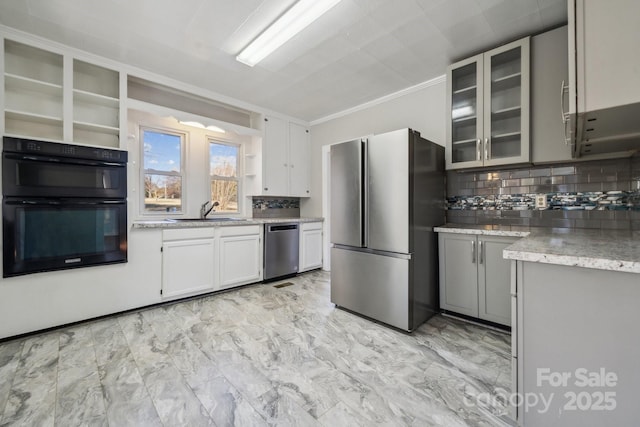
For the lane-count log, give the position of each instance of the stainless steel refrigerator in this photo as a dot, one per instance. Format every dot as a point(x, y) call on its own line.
point(387, 194)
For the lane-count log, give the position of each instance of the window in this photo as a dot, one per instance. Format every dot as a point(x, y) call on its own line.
point(163, 178)
point(223, 171)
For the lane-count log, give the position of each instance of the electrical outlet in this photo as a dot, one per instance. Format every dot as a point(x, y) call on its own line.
point(541, 201)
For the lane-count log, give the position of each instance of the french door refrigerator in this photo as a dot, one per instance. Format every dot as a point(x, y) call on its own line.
point(387, 194)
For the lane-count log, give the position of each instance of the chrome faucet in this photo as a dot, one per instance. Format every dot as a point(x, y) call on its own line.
point(203, 209)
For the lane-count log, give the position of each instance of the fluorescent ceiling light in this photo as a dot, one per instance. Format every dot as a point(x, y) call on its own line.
point(294, 20)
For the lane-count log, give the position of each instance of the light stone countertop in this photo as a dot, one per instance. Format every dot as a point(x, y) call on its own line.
point(168, 223)
point(614, 250)
point(484, 230)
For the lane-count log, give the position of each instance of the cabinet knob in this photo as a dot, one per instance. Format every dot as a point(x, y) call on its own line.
point(291, 165)
point(266, 188)
point(285, 165)
point(307, 191)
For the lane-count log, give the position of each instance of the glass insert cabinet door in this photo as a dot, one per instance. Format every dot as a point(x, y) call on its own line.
point(465, 113)
point(488, 108)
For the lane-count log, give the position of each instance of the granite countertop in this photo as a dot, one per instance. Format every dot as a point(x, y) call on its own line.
point(484, 230)
point(168, 223)
point(614, 250)
point(599, 249)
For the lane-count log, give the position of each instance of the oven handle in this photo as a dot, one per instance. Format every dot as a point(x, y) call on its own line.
point(61, 160)
point(66, 202)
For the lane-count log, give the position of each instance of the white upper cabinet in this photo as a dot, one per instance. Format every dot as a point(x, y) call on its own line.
point(52, 95)
point(283, 160)
point(275, 157)
point(299, 160)
point(488, 108)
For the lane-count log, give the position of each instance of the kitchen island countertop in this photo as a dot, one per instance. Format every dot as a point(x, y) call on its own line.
point(614, 250)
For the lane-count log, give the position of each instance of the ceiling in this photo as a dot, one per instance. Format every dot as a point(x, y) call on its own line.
point(358, 51)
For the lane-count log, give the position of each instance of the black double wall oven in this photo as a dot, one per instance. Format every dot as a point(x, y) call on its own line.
point(64, 206)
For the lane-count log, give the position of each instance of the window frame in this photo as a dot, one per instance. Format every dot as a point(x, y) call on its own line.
point(182, 174)
point(237, 179)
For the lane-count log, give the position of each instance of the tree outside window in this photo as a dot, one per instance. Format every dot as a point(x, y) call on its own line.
point(162, 156)
point(223, 171)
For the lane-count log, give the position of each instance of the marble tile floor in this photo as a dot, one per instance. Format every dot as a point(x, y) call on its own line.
point(255, 356)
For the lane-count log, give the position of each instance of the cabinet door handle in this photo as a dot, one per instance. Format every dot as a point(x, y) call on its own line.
point(564, 115)
point(479, 149)
point(473, 251)
point(487, 148)
point(480, 252)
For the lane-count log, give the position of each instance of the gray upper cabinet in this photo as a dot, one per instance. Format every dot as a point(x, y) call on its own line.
point(474, 277)
point(488, 108)
point(604, 74)
point(549, 88)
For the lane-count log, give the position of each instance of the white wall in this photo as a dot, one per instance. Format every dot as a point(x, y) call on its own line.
point(423, 110)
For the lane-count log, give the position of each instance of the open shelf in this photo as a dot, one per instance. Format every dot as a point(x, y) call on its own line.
point(95, 98)
point(32, 117)
point(96, 127)
point(17, 82)
point(32, 63)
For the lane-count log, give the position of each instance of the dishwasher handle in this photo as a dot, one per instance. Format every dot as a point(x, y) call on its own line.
point(273, 228)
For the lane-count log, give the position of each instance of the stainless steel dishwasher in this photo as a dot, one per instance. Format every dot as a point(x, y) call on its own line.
point(281, 243)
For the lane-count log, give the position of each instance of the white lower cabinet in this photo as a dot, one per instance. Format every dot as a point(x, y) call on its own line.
point(206, 259)
point(240, 255)
point(310, 246)
point(474, 277)
point(188, 258)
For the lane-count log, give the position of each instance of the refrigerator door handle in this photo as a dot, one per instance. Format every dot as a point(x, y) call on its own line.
point(364, 199)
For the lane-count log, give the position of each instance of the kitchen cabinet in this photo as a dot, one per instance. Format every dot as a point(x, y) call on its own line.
point(571, 320)
point(607, 70)
point(488, 108)
point(549, 80)
point(51, 95)
point(240, 256)
point(299, 161)
point(188, 262)
point(604, 77)
point(279, 165)
point(474, 277)
point(310, 246)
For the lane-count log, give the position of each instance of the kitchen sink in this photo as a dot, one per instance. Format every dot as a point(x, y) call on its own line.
point(204, 219)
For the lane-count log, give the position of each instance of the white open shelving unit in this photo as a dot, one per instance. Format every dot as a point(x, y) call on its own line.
point(53, 96)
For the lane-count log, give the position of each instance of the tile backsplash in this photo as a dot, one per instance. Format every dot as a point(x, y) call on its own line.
point(595, 194)
point(276, 207)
